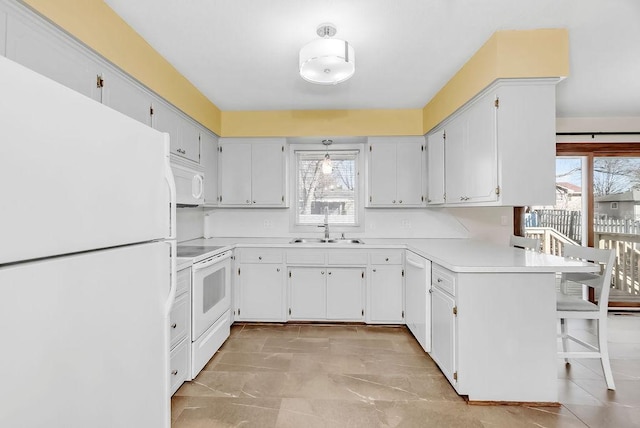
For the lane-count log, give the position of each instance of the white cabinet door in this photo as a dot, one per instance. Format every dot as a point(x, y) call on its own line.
point(209, 163)
point(418, 298)
point(165, 119)
point(267, 174)
point(345, 294)
point(456, 161)
point(261, 292)
point(234, 174)
point(435, 168)
point(45, 52)
point(189, 138)
point(123, 95)
point(410, 167)
point(385, 294)
point(382, 173)
point(480, 150)
point(443, 332)
point(307, 294)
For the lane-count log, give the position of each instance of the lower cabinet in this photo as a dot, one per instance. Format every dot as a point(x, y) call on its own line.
point(260, 285)
point(326, 293)
point(418, 298)
point(261, 292)
point(443, 334)
point(386, 295)
point(180, 332)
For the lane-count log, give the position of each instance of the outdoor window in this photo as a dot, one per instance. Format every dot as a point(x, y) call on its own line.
point(335, 192)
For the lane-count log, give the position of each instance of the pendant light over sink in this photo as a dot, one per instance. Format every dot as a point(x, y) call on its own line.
point(327, 165)
point(327, 61)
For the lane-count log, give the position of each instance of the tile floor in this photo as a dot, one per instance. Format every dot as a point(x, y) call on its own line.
point(367, 376)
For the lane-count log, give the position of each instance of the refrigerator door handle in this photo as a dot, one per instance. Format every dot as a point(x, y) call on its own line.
point(168, 175)
point(174, 283)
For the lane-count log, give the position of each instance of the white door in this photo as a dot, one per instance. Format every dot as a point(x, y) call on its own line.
point(47, 53)
point(189, 137)
point(481, 151)
point(125, 96)
point(210, 166)
point(410, 168)
point(95, 179)
point(385, 287)
point(435, 169)
point(261, 292)
point(307, 293)
point(87, 339)
point(234, 179)
point(345, 294)
point(267, 174)
point(443, 332)
point(456, 175)
point(382, 174)
point(165, 119)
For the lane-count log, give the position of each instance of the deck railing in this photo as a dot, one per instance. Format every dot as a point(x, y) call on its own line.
point(626, 272)
point(551, 241)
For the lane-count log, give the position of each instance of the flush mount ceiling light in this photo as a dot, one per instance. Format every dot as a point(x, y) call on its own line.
point(327, 61)
point(327, 165)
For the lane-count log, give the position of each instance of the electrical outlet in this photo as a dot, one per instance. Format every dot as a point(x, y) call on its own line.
point(268, 224)
point(406, 224)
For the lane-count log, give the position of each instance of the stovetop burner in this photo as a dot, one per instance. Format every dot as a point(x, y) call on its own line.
point(195, 250)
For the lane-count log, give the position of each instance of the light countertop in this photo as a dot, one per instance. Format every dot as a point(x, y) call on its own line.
point(457, 255)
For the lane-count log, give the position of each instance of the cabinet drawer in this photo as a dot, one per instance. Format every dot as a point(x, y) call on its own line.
point(387, 258)
point(178, 366)
point(306, 257)
point(183, 281)
point(351, 258)
point(443, 279)
point(260, 255)
point(179, 319)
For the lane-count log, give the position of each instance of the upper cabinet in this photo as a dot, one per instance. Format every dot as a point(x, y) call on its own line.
point(396, 169)
point(185, 135)
point(43, 50)
point(435, 168)
point(252, 172)
point(3, 31)
point(498, 149)
point(124, 95)
point(209, 163)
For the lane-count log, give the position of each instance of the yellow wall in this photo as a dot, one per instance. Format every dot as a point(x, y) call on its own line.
point(99, 27)
point(507, 54)
point(321, 122)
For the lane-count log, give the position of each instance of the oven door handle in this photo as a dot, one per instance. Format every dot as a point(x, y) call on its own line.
point(217, 259)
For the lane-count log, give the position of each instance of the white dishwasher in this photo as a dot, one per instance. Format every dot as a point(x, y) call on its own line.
point(418, 298)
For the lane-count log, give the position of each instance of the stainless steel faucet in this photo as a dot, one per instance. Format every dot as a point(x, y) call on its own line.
point(326, 223)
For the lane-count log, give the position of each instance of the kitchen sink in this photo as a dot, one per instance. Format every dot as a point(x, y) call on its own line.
point(326, 241)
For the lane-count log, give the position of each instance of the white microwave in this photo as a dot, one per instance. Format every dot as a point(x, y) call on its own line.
point(189, 185)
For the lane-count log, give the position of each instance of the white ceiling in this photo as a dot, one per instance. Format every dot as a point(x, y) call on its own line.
point(243, 54)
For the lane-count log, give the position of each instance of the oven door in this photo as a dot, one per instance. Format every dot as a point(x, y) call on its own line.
point(211, 292)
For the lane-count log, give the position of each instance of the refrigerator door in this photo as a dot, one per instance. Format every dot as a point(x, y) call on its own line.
point(75, 175)
point(89, 340)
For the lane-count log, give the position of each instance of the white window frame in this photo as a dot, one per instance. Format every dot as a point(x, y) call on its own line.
point(334, 228)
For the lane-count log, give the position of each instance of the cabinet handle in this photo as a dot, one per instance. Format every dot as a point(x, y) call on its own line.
point(430, 291)
point(174, 372)
point(174, 325)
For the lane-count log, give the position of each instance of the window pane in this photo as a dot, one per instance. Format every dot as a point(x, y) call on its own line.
point(318, 190)
point(616, 223)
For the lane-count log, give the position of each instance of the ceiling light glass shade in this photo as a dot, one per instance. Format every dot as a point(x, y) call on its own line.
point(327, 61)
point(327, 165)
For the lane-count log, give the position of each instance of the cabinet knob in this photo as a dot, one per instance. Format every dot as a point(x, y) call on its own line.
point(254, 202)
point(248, 201)
point(386, 259)
point(322, 273)
point(174, 372)
point(394, 201)
point(430, 291)
point(278, 270)
point(400, 200)
point(375, 270)
point(259, 257)
point(439, 280)
point(174, 325)
point(329, 273)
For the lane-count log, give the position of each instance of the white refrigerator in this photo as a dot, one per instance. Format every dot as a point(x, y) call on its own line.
point(87, 233)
